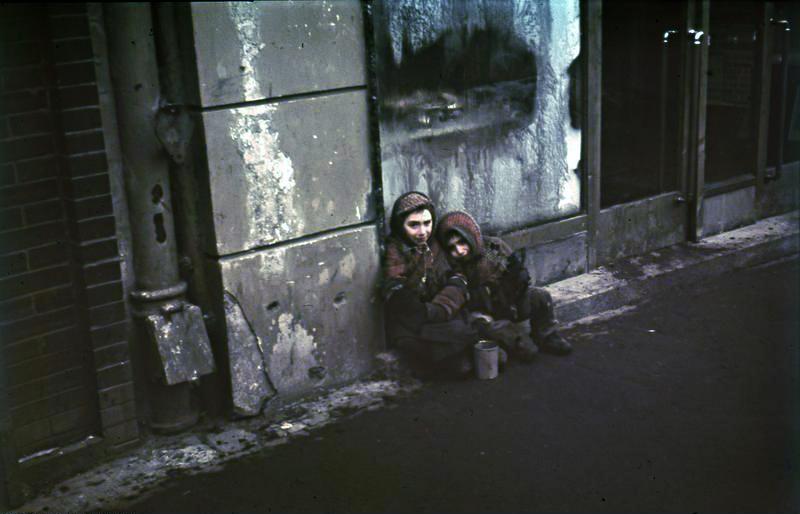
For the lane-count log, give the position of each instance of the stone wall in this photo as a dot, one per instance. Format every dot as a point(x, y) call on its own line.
point(286, 178)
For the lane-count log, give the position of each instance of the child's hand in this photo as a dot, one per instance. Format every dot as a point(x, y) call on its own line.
point(479, 317)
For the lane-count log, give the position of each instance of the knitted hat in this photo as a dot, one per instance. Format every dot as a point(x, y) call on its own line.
point(465, 226)
point(408, 203)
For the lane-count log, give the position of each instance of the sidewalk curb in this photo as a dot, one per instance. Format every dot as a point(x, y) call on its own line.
point(632, 280)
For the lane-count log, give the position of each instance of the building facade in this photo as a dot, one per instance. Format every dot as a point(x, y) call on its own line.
point(194, 195)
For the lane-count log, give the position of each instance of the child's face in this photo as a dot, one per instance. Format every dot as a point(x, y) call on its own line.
point(418, 226)
point(457, 247)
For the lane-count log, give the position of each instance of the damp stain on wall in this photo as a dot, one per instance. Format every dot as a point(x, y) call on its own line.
point(477, 106)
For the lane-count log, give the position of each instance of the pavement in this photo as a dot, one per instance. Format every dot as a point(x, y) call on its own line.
point(687, 401)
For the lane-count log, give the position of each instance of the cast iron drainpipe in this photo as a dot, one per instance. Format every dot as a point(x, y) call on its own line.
point(172, 329)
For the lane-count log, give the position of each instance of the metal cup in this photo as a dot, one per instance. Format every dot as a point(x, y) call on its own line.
point(486, 356)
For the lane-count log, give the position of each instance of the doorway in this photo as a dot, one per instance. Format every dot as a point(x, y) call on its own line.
point(649, 75)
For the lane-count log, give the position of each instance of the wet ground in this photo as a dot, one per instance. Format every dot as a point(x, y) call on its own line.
point(685, 403)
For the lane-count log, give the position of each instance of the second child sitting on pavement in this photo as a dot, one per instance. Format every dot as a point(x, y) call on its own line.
point(502, 304)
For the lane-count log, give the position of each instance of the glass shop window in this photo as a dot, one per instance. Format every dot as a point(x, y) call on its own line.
point(478, 106)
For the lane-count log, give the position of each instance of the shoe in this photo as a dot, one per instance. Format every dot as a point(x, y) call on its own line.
point(525, 349)
point(555, 344)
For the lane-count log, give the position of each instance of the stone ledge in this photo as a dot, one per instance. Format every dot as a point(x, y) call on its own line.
point(633, 279)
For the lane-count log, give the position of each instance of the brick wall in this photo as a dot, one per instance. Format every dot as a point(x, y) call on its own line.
point(63, 314)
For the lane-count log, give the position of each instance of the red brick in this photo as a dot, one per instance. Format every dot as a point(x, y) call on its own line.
point(87, 164)
point(43, 212)
point(78, 417)
point(10, 219)
point(78, 96)
point(24, 101)
point(71, 50)
point(104, 293)
point(116, 414)
point(111, 354)
point(97, 228)
point(37, 169)
point(69, 26)
point(75, 73)
point(24, 53)
point(21, 239)
point(93, 185)
point(122, 433)
point(107, 314)
point(28, 193)
point(37, 122)
point(48, 385)
point(104, 336)
point(27, 147)
point(30, 77)
point(22, 26)
point(101, 273)
point(93, 207)
point(31, 282)
point(114, 375)
point(13, 264)
point(26, 436)
point(81, 119)
point(98, 251)
point(37, 325)
point(64, 401)
point(117, 395)
point(53, 299)
point(82, 142)
point(16, 309)
point(54, 342)
point(44, 256)
point(8, 176)
point(65, 8)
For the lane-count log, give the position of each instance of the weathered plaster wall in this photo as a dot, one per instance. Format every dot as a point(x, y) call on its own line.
point(285, 170)
point(312, 307)
point(281, 87)
point(272, 49)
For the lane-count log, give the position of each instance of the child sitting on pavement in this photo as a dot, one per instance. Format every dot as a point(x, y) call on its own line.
point(423, 296)
point(502, 304)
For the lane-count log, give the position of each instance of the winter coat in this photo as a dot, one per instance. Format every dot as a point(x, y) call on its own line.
point(416, 275)
point(497, 278)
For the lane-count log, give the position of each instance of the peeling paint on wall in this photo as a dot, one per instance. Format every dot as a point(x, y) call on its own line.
point(268, 175)
point(293, 353)
point(268, 171)
point(310, 303)
point(245, 18)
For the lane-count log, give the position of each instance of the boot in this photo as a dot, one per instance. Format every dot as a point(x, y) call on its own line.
point(525, 349)
point(555, 344)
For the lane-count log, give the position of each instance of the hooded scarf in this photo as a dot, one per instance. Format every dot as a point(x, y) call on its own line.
point(496, 276)
point(422, 268)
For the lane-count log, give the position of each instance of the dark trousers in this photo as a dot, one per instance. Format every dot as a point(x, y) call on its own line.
point(538, 303)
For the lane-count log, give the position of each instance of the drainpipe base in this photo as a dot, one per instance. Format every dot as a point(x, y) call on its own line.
point(173, 408)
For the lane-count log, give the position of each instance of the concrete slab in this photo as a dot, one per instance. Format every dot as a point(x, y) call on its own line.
point(557, 260)
point(249, 51)
point(313, 305)
point(728, 211)
point(272, 178)
point(250, 385)
point(632, 280)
